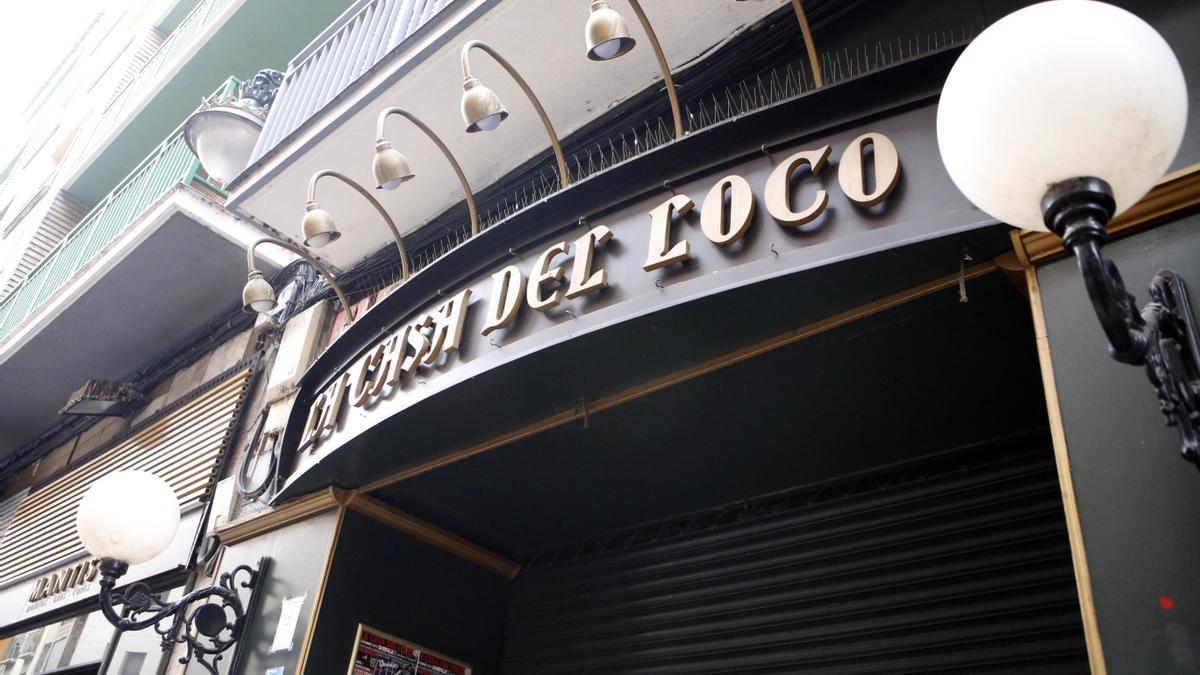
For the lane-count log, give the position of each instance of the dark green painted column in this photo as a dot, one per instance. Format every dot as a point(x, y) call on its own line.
point(1139, 502)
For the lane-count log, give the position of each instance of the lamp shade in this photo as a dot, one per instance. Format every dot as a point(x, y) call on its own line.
point(391, 168)
point(319, 228)
point(223, 138)
point(130, 516)
point(257, 294)
point(606, 33)
point(481, 107)
point(1060, 90)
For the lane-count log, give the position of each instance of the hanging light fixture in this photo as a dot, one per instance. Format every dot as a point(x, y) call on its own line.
point(483, 111)
point(224, 131)
point(1058, 117)
point(257, 294)
point(607, 36)
point(391, 168)
point(320, 230)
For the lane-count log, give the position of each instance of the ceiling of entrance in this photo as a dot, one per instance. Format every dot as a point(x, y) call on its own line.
point(930, 376)
point(543, 39)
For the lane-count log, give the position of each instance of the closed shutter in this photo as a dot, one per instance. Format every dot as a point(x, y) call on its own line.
point(965, 569)
point(183, 446)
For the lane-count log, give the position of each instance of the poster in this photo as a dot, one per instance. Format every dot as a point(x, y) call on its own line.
point(377, 653)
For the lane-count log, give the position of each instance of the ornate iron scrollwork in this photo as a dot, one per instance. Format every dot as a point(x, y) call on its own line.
point(1161, 336)
point(263, 87)
point(208, 621)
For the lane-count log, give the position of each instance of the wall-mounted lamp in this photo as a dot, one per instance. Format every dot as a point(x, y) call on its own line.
point(483, 111)
point(1072, 132)
point(391, 168)
point(608, 37)
point(257, 294)
point(320, 230)
point(129, 517)
point(223, 132)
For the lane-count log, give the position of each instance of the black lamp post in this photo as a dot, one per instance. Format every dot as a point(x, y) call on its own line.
point(129, 517)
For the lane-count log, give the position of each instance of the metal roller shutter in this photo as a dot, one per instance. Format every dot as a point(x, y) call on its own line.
point(959, 569)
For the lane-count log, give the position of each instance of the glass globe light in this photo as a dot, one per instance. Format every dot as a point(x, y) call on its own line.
point(1055, 91)
point(481, 107)
point(223, 138)
point(130, 516)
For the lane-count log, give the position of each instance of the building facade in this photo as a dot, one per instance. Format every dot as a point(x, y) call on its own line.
point(732, 380)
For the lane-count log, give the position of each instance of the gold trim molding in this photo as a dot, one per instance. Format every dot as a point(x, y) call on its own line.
point(285, 514)
point(1175, 193)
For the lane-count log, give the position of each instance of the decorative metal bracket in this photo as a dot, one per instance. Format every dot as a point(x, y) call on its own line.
point(1162, 336)
point(208, 620)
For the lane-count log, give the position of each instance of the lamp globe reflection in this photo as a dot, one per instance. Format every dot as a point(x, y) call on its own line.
point(128, 516)
point(606, 33)
point(1057, 91)
point(318, 227)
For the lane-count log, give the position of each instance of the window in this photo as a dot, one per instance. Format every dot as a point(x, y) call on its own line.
point(132, 663)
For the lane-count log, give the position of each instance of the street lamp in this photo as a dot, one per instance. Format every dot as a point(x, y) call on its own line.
point(1058, 117)
point(391, 168)
point(257, 294)
point(320, 230)
point(608, 37)
point(129, 517)
point(483, 111)
point(223, 132)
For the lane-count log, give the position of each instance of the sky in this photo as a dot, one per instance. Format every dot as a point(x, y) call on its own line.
point(34, 37)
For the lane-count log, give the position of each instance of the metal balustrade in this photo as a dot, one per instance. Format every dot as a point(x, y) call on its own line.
point(180, 39)
point(170, 164)
point(342, 54)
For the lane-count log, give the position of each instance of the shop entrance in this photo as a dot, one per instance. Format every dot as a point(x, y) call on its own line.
point(879, 497)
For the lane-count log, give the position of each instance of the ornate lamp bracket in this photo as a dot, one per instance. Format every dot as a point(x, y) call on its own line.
point(208, 621)
point(1162, 336)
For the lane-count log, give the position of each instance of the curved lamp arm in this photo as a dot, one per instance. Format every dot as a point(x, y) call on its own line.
point(462, 178)
point(808, 42)
point(662, 65)
point(312, 197)
point(563, 177)
point(310, 260)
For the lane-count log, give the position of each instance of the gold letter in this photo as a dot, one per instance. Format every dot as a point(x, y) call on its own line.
point(779, 188)
point(661, 252)
point(583, 281)
point(414, 338)
point(852, 172)
point(507, 285)
point(312, 428)
point(741, 210)
point(447, 322)
point(370, 376)
point(542, 273)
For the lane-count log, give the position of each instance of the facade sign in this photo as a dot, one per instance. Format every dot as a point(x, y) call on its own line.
point(852, 193)
point(726, 216)
point(63, 586)
point(377, 653)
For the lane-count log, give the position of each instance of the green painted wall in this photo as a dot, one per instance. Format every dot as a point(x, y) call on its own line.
point(260, 34)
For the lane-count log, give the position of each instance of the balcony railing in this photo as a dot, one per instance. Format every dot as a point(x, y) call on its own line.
point(338, 57)
point(180, 39)
point(171, 163)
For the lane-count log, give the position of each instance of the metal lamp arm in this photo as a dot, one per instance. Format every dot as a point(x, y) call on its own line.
point(161, 612)
point(312, 192)
point(1162, 336)
point(563, 177)
point(310, 260)
point(662, 65)
point(462, 177)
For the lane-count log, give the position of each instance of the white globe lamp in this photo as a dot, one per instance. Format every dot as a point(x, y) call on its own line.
point(129, 516)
